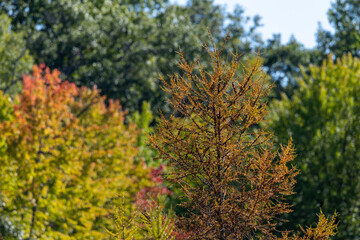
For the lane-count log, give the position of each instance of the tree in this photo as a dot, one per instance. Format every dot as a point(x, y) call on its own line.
point(344, 17)
point(235, 182)
point(7, 229)
point(14, 56)
point(282, 62)
point(323, 120)
point(120, 46)
point(111, 44)
point(66, 154)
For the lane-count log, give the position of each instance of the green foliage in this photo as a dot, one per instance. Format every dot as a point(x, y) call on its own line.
point(157, 224)
point(282, 62)
point(8, 231)
point(122, 46)
point(143, 121)
point(6, 108)
point(323, 120)
point(151, 222)
point(344, 17)
point(14, 57)
point(125, 219)
point(6, 114)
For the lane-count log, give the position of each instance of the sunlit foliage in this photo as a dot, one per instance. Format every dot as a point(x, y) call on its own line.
point(66, 154)
point(323, 120)
point(14, 56)
point(235, 182)
point(146, 218)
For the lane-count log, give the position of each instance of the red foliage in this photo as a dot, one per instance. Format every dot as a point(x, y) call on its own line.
point(146, 196)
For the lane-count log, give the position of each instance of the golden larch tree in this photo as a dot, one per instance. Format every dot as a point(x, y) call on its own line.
point(233, 177)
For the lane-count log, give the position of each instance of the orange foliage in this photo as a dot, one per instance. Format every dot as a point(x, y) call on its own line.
point(235, 182)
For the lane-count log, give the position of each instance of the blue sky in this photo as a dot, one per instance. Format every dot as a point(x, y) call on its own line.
point(297, 17)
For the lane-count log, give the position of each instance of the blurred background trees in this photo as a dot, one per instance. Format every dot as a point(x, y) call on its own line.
point(122, 46)
point(323, 120)
point(344, 16)
point(15, 59)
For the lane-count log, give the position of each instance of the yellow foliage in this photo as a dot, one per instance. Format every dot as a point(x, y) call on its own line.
point(67, 155)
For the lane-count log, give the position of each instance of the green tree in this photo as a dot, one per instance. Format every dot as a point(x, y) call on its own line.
point(282, 62)
point(323, 120)
point(344, 18)
point(113, 44)
point(120, 46)
point(14, 56)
